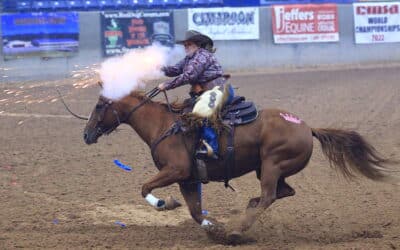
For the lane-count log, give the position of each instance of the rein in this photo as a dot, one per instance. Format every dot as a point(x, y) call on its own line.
point(68, 109)
point(149, 95)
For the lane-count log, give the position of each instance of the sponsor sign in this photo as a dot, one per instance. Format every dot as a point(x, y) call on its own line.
point(226, 23)
point(40, 34)
point(305, 23)
point(377, 22)
point(124, 31)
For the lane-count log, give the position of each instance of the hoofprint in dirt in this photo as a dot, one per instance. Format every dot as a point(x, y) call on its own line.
point(56, 192)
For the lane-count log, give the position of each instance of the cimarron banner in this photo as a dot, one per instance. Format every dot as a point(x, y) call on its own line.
point(305, 23)
point(124, 31)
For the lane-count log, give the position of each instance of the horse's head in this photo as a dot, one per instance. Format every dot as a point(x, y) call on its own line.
point(105, 118)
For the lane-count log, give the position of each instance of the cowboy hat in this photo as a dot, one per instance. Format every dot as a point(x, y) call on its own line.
point(197, 38)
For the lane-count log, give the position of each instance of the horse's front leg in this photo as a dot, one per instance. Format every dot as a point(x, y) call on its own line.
point(192, 198)
point(165, 177)
point(191, 195)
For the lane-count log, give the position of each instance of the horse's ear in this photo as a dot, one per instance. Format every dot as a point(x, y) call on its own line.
point(100, 83)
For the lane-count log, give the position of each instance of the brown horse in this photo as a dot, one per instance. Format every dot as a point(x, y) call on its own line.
point(276, 145)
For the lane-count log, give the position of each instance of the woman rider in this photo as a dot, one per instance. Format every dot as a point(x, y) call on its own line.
point(202, 71)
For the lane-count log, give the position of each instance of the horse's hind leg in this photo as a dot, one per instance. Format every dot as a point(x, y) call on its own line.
point(283, 190)
point(253, 202)
point(270, 174)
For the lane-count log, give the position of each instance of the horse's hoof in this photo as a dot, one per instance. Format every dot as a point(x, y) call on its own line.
point(216, 232)
point(234, 238)
point(171, 203)
point(253, 202)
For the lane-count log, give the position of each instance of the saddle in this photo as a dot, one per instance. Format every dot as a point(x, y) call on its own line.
point(239, 112)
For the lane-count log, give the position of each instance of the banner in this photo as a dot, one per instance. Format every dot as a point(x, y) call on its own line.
point(377, 22)
point(225, 23)
point(305, 23)
point(40, 34)
point(124, 31)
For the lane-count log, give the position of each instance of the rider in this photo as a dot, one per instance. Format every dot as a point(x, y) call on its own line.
point(202, 71)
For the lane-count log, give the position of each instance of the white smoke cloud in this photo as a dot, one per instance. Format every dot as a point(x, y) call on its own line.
point(121, 75)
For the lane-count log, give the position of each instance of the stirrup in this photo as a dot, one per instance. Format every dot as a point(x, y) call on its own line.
point(206, 152)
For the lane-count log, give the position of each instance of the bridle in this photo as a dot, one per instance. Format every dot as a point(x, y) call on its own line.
point(107, 103)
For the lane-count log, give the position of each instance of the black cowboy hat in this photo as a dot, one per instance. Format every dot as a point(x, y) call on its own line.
point(197, 38)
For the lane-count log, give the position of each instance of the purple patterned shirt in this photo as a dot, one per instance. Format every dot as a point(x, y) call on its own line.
point(200, 68)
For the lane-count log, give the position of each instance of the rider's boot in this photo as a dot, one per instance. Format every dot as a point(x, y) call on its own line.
point(206, 151)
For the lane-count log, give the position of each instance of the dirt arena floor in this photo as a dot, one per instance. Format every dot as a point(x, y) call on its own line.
point(57, 192)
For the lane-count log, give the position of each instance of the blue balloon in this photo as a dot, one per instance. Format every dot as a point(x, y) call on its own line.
point(120, 224)
point(124, 167)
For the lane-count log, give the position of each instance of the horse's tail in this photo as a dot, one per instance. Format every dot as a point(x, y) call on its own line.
point(349, 152)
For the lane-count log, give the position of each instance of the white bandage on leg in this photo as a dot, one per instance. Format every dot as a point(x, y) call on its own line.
point(205, 223)
point(152, 200)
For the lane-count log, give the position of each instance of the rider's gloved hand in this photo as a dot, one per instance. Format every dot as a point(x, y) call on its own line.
point(162, 86)
point(161, 68)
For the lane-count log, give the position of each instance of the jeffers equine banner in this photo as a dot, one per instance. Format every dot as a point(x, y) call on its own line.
point(377, 22)
point(305, 23)
point(40, 34)
point(124, 31)
point(225, 23)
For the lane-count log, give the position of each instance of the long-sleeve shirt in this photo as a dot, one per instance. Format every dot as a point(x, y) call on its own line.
point(200, 68)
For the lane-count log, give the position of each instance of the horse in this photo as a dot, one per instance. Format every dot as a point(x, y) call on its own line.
point(276, 145)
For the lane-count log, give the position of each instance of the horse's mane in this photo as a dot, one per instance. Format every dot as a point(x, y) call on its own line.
point(189, 120)
point(177, 106)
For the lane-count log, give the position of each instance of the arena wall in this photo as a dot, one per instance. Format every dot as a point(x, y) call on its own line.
point(233, 55)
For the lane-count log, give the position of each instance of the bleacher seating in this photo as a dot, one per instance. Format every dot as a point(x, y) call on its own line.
point(41, 5)
point(75, 5)
point(184, 2)
point(87, 5)
point(120, 4)
point(91, 4)
point(23, 6)
point(58, 5)
point(137, 4)
point(105, 4)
